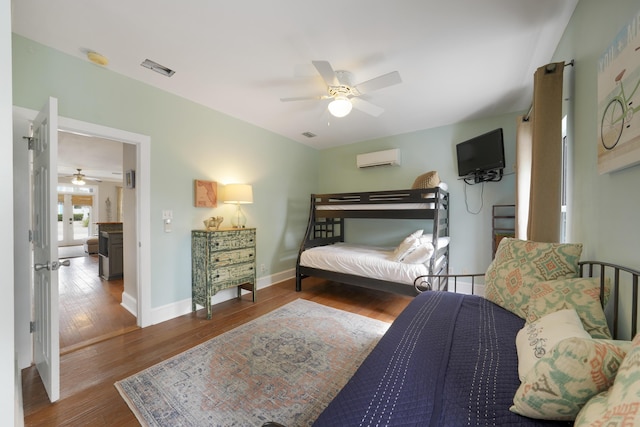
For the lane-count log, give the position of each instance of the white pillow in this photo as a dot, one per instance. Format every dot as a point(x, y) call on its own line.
point(538, 338)
point(408, 245)
point(419, 255)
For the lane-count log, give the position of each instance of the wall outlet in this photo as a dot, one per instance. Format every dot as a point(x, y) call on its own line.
point(263, 268)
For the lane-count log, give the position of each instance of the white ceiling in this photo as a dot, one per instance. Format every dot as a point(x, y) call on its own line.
point(458, 59)
point(97, 157)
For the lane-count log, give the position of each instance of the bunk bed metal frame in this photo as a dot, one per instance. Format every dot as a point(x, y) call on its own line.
point(326, 226)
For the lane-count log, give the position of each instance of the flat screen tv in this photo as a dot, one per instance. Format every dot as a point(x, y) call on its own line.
point(481, 155)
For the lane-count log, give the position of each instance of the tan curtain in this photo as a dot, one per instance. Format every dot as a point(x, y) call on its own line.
point(544, 217)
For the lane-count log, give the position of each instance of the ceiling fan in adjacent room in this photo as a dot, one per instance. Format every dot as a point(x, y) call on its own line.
point(344, 94)
point(79, 178)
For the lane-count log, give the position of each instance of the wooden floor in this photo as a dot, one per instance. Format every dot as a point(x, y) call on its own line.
point(88, 374)
point(90, 308)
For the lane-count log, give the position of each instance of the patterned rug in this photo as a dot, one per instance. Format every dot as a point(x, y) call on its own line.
point(284, 366)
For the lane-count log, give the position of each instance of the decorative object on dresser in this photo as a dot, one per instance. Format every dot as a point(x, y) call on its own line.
point(213, 223)
point(205, 194)
point(222, 259)
point(239, 194)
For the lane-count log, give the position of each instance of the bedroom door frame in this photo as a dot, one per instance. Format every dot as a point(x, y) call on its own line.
point(143, 203)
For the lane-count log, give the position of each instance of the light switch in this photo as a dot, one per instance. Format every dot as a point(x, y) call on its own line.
point(167, 225)
point(167, 214)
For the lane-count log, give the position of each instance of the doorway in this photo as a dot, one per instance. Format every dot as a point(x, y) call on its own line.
point(75, 214)
point(90, 192)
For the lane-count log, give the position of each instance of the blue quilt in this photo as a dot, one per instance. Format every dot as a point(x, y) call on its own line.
point(447, 360)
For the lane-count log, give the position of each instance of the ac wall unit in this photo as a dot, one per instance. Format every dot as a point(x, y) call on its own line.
point(378, 158)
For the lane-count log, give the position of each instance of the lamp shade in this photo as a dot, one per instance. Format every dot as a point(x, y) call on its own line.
point(77, 180)
point(238, 193)
point(340, 106)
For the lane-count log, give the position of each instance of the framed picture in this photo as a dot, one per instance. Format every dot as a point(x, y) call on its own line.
point(205, 194)
point(618, 138)
point(130, 178)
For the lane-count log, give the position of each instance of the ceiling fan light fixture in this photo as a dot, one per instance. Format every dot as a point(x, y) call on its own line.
point(340, 106)
point(77, 180)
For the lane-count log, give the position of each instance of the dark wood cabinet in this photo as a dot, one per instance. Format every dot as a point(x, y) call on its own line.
point(110, 264)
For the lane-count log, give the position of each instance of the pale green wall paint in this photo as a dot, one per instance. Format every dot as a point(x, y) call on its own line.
point(188, 141)
point(606, 207)
point(422, 151)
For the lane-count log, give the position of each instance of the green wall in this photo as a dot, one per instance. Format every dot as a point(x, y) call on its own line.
point(605, 207)
point(188, 141)
point(422, 151)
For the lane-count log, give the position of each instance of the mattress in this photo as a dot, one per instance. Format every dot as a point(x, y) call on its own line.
point(366, 261)
point(447, 360)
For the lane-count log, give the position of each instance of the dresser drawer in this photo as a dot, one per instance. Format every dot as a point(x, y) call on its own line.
point(231, 240)
point(232, 275)
point(224, 258)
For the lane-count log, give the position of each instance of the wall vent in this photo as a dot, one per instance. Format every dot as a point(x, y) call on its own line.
point(161, 69)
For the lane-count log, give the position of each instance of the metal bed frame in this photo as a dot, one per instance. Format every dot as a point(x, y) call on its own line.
point(624, 287)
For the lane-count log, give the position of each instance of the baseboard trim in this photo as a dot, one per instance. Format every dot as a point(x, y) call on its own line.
point(180, 308)
point(129, 303)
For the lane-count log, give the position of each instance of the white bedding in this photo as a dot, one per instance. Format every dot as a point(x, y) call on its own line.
point(366, 261)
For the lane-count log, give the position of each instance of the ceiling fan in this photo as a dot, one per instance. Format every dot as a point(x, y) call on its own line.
point(79, 178)
point(345, 94)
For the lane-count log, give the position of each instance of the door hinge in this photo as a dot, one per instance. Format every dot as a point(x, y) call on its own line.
point(32, 327)
point(29, 142)
point(30, 236)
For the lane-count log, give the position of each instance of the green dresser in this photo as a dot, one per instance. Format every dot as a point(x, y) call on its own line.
point(222, 259)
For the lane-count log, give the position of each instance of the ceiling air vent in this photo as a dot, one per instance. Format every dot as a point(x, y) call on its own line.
point(154, 66)
point(308, 134)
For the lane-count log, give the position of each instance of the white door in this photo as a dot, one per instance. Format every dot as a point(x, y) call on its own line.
point(45, 248)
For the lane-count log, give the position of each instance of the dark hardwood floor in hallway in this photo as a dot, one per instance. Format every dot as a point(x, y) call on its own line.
point(88, 374)
point(90, 309)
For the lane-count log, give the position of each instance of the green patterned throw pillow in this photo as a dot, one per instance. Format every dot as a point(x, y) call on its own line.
point(582, 294)
point(519, 264)
point(620, 405)
point(561, 383)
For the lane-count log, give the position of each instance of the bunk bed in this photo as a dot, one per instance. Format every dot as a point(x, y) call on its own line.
point(325, 235)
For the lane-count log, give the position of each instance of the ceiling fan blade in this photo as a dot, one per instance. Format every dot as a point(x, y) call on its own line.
point(366, 107)
point(327, 73)
point(385, 80)
point(302, 98)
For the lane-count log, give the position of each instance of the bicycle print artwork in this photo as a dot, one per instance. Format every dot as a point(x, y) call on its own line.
point(619, 101)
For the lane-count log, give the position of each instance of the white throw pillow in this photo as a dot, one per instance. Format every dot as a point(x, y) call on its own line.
point(536, 339)
point(419, 255)
point(408, 245)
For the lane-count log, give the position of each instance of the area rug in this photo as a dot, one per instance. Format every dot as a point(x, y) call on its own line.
point(284, 366)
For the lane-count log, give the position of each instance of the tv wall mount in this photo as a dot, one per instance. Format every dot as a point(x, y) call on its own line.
point(493, 175)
